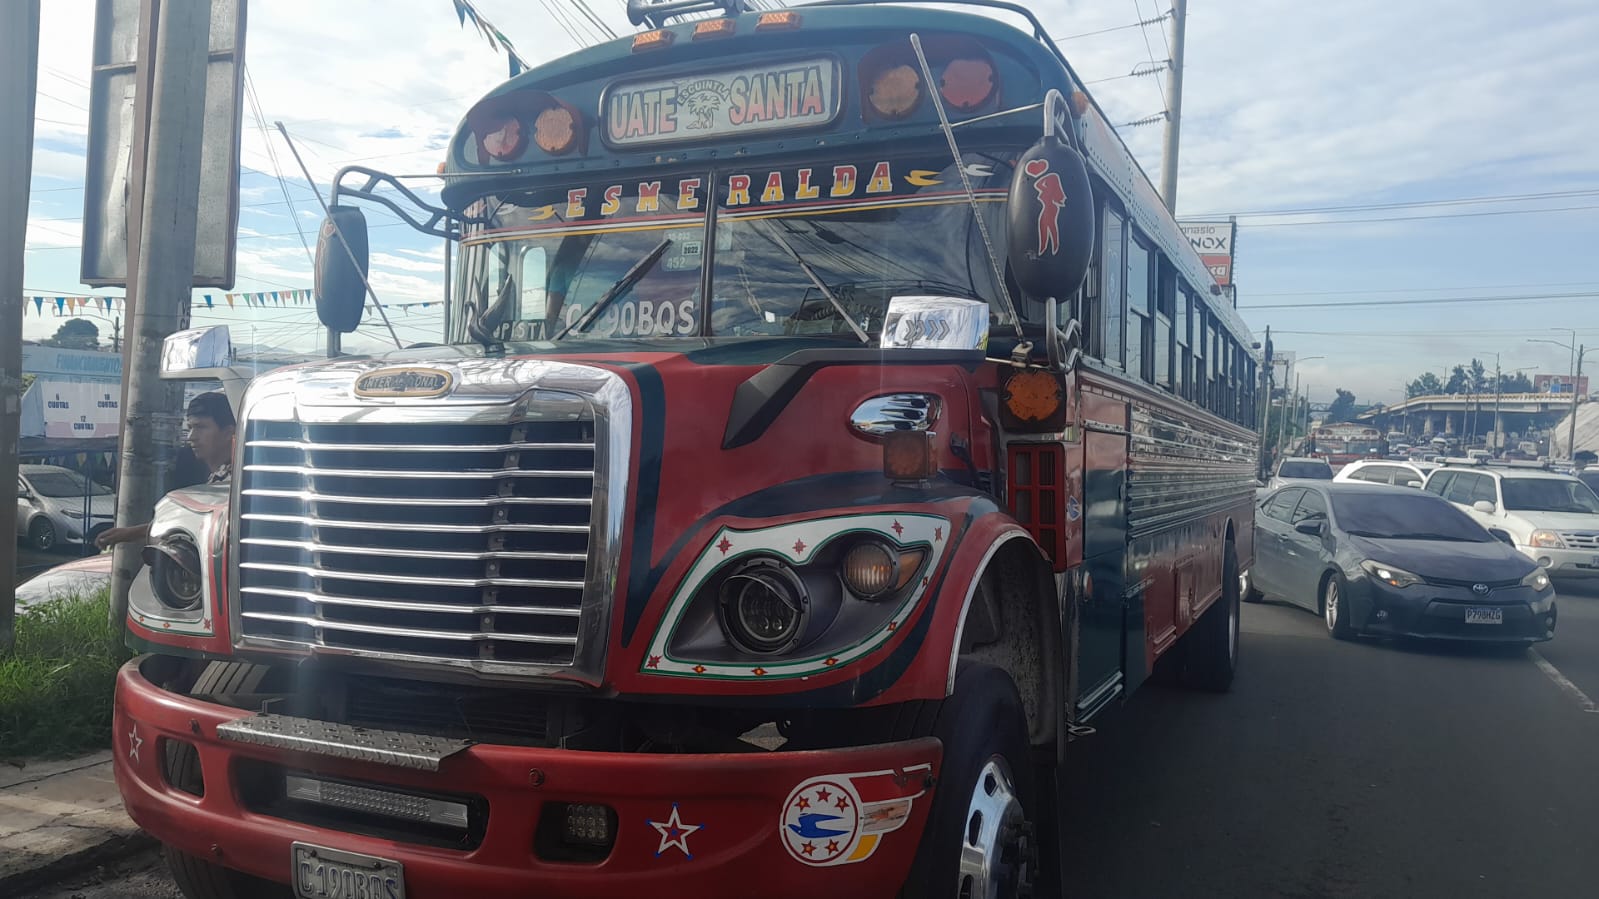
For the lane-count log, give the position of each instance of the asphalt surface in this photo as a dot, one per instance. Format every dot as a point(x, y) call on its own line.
point(1366, 769)
point(31, 562)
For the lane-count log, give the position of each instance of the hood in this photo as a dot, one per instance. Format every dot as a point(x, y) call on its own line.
point(99, 506)
point(1586, 522)
point(1492, 561)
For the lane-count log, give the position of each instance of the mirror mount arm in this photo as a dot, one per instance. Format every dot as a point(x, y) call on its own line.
point(440, 222)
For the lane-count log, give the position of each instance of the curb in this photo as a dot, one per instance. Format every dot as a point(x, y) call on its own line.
point(112, 848)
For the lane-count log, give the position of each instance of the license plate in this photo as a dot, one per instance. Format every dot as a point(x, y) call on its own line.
point(1488, 615)
point(321, 873)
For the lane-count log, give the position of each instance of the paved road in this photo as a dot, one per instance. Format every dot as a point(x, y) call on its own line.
point(1332, 770)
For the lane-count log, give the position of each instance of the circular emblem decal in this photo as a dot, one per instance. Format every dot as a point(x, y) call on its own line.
point(821, 822)
point(404, 382)
point(1480, 589)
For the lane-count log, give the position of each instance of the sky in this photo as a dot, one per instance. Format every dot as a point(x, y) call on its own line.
point(1371, 104)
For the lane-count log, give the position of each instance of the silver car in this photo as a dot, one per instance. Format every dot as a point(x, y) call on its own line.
point(57, 505)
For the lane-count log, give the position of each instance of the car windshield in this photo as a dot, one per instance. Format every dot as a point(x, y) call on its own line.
point(1404, 516)
point(1548, 495)
point(543, 259)
point(1319, 471)
point(65, 483)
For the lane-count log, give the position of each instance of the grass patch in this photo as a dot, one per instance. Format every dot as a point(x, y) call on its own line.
point(56, 683)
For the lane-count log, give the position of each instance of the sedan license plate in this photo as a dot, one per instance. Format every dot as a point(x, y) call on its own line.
point(321, 873)
point(1485, 615)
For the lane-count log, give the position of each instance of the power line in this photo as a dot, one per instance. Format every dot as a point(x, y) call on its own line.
point(1335, 293)
point(583, 7)
point(1155, 21)
point(1143, 30)
point(1373, 207)
point(260, 120)
point(1552, 297)
point(1419, 218)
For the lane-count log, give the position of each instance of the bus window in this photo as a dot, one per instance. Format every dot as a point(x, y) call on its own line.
point(1183, 356)
point(1200, 394)
point(1112, 299)
point(534, 296)
point(1140, 361)
point(1165, 311)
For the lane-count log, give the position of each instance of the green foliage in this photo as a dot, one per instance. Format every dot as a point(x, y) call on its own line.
point(57, 681)
point(1428, 384)
point(1342, 407)
point(76, 334)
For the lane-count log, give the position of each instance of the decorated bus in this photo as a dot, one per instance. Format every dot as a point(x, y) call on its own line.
point(830, 423)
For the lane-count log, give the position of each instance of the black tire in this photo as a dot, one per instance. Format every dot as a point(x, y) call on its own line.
point(1211, 656)
point(982, 726)
point(41, 534)
point(1335, 608)
point(196, 877)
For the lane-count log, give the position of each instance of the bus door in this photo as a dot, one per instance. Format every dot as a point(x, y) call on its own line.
point(1101, 639)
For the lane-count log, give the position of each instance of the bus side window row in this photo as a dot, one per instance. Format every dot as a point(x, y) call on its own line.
point(1142, 317)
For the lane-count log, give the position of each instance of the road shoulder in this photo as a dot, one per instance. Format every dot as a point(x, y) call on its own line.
point(56, 816)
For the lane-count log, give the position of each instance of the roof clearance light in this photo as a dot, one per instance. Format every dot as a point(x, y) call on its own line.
point(896, 92)
point(713, 28)
point(778, 21)
point(651, 40)
point(507, 140)
point(556, 129)
point(967, 84)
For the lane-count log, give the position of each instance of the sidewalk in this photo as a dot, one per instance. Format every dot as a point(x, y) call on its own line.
point(58, 816)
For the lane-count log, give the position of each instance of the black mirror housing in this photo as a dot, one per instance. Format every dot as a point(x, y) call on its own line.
point(341, 268)
point(1502, 536)
point(1313, 528)
point(1050, 222)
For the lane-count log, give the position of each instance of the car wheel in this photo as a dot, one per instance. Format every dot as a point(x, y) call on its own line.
point(42, 534)
point(1334, 609)
point(980, 839)
point(1211, 656)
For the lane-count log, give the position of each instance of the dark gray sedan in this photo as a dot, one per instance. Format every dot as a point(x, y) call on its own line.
point(1396, 561)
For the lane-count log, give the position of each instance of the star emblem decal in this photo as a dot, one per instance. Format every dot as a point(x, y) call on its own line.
point(674, 833)
point(938, 534)
point(699, 669)
point(758, 672)
point(134, 743)
point(724, 545)
point(831, 662)
point(799, 547)
point(898, 529)
point(893, 626)
point(654, 662)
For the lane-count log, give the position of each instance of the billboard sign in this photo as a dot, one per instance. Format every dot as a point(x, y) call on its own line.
point(1558, 384)
point(1213, 241)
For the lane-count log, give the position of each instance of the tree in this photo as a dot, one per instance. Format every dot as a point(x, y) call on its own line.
point(1479, 377)
point(1515, 383)
point(1426, 385)
point(1342, 407)
point(76, 334)
point(1459, 381)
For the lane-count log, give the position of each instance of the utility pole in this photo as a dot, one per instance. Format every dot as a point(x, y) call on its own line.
point(1576, 378)
point(1499, 441)
point(1174, 116)
point(165, 273)
point(19, 75)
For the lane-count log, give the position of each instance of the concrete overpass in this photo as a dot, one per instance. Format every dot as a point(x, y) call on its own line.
point(1470, 414)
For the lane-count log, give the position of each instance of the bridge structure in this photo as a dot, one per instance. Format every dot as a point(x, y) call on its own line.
point(1471, 414)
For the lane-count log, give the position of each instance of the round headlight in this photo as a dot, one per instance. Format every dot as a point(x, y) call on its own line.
point(870, 569)
point(175, 572)
point(763, 607)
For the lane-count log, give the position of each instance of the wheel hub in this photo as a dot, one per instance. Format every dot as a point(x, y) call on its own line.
point(998, 850)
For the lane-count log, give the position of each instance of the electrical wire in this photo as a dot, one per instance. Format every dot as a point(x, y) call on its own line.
point(260, 120)
point(1143, 30)
point(584, 8)
point(1420, 218)
point(1416, 204)
point(1434, 301)
point(1335, 293)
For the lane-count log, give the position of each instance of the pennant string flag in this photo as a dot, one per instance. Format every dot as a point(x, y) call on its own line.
point(496, 38)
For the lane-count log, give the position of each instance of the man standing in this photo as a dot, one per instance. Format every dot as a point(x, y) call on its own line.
point(211, 428)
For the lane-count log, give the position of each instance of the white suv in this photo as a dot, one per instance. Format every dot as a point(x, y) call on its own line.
point(1552, 518)
point(1380, 471)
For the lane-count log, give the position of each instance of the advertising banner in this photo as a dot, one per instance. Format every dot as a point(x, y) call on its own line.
point(1213, 241)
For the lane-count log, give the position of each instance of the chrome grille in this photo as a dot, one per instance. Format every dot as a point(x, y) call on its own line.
point(1580, 540)
point(459, 542)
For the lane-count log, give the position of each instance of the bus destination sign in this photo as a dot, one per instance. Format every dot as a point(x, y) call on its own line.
point(723, 103)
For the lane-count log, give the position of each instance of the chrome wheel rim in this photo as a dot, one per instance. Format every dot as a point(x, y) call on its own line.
point(1331, 603)
point(45, 536)
point(995, 841)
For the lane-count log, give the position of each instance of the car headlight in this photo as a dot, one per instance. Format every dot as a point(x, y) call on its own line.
point(1390, 575)
point(1538, 580)
point(796, 599)
point(1546, 539)
point(74, 513)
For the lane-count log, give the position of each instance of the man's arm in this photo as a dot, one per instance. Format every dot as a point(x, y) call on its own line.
point(133, 533)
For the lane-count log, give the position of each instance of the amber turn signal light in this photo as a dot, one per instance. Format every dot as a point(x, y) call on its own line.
point(778, 21)
point(896, 92)
point(1033, 400)
point(556, 129)
point(713, 28)
point(909, 456)
point(651, 40)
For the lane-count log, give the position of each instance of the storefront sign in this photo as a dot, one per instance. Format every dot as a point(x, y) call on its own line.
point(1213, 241)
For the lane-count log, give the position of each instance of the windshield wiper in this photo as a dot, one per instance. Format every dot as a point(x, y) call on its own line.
point(776, 235)
point(633, 276)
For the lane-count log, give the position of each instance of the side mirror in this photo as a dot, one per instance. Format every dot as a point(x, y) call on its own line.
point(1050, 223)
point(1313, 528)
point(1501, 536)
point(196, 349)
point(341, 267)
point(1484, 507)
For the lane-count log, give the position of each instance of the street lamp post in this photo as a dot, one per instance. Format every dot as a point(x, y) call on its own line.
point(1577, 352)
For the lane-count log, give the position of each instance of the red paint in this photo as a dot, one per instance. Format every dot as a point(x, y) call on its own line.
point(737, 801)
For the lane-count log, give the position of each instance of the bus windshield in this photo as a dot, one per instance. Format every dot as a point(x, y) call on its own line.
point(896, 229)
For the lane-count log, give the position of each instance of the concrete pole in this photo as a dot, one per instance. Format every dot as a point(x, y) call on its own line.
point(1498, 446)
point(166, 266)
point(1174, 116)
point(1571, 433)
point(19, 74)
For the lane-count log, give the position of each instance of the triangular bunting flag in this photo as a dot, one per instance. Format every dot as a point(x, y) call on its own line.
point(38, 304)
point(61, 305)
point(230, 300)
point(208, 303)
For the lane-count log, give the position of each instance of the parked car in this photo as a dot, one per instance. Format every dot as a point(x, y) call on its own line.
point(1380, 559)
point(1403, 474)
point(1553, 518)
point(1589, 476)
point(1300, 468)
point(52, 502)
point(78, 578)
